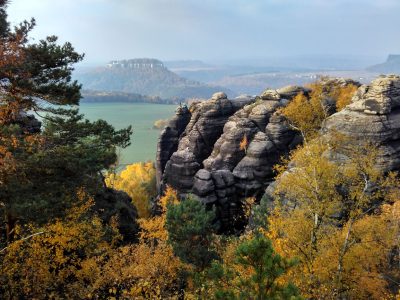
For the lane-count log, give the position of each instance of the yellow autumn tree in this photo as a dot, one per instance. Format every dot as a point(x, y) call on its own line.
point(147, 270)
point(304, 116)
point(344, 95)
point(138, 181)
point(367, 265)
point(154, 228)
point(60, 260)
point(140, 271)
point(307, 113)
point(324, 217)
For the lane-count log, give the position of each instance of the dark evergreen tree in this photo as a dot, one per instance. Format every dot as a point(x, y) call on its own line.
point(257, 258)
point(190, 232)
point(43, 167)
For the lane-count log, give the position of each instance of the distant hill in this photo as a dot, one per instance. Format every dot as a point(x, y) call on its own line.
point(185, 64)
point(144, 76)
point(392, 65)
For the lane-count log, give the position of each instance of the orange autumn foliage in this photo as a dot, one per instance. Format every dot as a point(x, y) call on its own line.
point(78, 257)
point(154, 227)
point(244, 144)
point(344, 95)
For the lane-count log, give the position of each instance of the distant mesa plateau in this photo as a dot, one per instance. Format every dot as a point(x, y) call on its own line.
point(142, 76)
point(150, 80)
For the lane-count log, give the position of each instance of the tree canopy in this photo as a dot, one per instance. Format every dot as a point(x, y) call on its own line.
point(44, 163)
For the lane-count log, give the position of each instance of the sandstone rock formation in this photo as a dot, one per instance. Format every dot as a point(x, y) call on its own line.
point(28, 122)
point(210, 161)
point(228, 148)
point(169, 138)
point(374, 114)
point(179, 162)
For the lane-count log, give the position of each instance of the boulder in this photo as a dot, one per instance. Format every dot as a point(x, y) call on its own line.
point(180, 170)
point(219, 95)
point(270, 95)
point(378, 98)
point(291, 91)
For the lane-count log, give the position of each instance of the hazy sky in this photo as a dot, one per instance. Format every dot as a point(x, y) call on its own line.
point(216, 29)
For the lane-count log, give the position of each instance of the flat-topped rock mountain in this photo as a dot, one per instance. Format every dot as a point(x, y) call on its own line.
point(145, 76)
point(224, 150)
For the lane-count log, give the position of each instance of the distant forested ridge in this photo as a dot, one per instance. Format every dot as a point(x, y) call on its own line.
point(90, 96)
point(146, 77)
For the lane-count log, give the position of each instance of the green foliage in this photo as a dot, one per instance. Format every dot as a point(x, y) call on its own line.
point(71, 153)
point(258, 219)
point(40, 172)
point(190, 229)
point(3, 18)
point(253, 274)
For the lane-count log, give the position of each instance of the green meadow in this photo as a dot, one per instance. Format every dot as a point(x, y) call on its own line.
point(141, 116)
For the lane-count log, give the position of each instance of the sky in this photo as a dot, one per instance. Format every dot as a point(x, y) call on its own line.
point(213, 30)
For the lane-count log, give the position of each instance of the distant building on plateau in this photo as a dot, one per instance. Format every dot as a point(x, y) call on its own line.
point(137, 63)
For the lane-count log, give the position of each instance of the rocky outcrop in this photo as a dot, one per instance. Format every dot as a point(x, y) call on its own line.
point(196, 142)
point(169, 138)
point(110, 203)
point(228, 149)
point(373, 115)
point(28, 123)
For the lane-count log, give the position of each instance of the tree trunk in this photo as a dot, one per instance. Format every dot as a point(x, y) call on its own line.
point(342, 253)
point(11, 221)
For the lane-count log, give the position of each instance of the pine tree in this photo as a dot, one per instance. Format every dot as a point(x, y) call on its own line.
point(253, 274)
point(190, 232)
point(41, 170)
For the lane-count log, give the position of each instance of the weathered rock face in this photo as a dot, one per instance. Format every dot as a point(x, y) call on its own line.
point(169, 138)
point(228, 149)
point(374, 114)
point(195, 143)
point(28, 123)
point(112, 203)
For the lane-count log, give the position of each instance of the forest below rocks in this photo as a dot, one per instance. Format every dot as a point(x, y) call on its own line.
point(293, 194)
